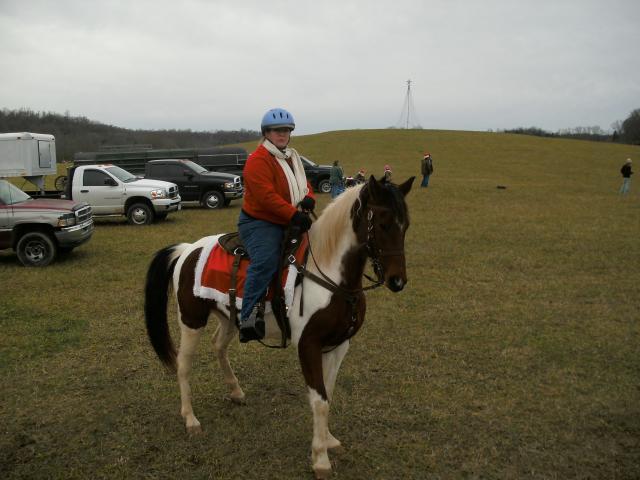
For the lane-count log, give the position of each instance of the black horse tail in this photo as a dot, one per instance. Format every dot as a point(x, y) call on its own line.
point(156, 296)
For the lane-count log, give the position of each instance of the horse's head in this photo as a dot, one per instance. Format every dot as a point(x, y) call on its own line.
point(381, 222)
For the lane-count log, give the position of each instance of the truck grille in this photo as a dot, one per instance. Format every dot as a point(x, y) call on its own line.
point(83, 214)
point(173, 192)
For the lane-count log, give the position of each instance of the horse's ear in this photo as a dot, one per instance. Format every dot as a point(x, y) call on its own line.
point(374, 187)
point(406, 186)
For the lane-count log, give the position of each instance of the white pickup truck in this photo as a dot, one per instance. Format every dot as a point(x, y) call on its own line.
point(110, 190)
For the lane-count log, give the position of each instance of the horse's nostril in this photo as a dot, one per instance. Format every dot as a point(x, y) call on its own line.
point(396, 284)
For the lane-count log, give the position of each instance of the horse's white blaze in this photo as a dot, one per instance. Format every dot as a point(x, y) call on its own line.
point(319, 444)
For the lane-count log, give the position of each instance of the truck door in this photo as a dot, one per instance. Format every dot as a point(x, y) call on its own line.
point(94, 187)
point(6, 214)
point(178, 174)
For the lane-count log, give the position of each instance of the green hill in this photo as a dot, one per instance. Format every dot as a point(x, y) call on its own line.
point(513, 351)
point(471, 159)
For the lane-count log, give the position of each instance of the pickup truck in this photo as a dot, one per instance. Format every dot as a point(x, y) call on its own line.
point(196, 183)
point(40, 229)
point(110, 190)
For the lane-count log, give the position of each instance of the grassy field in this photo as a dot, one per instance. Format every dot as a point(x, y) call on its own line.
point(514, 351)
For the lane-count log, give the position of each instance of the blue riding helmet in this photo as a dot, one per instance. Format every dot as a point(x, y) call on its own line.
point(277, 117)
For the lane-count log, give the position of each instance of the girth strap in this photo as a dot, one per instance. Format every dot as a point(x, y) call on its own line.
point(233, 311)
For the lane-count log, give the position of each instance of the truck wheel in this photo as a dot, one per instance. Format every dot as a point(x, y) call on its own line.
point(324, 186)
point(36, 249)
point(140, 214)
point(212, 200)
point(60, 183)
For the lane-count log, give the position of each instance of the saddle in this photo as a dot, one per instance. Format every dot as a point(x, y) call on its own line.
point(232, 244)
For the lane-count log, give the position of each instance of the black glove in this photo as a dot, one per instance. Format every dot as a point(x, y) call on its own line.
point(301, 220)
point(308, 204)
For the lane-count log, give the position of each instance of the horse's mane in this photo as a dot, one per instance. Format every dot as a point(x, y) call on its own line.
point(331, 226)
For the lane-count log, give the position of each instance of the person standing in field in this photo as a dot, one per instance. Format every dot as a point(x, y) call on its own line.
point(426, 168)
point(360, 176)
point(387, 173)
point(274, 186)
point(626, 177)
point(336, 178)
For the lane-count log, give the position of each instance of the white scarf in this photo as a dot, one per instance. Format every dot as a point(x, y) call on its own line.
point(297, 179)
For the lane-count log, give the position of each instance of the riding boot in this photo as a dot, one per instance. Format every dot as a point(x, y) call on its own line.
point(253, 327)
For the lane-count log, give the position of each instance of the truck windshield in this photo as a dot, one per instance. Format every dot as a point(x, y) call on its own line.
point(121, 174)
point(308, 162)
point(10, 194)
point(199, 169)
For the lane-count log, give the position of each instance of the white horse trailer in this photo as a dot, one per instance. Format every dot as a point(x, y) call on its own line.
point(28, 155)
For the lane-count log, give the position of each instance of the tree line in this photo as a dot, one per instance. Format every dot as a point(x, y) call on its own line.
point(79, 134)
point(627, 131)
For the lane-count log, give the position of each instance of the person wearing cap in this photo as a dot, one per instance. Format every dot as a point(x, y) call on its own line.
point(426, 167)
point(626, 177)
point(387, 173)
point(275, 184)
point(360, 176)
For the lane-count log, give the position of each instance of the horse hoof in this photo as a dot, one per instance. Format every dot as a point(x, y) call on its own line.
point(235, 400)
point(322, 473)
point(194, 430)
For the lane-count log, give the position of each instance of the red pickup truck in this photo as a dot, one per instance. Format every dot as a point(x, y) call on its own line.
point(39, 229)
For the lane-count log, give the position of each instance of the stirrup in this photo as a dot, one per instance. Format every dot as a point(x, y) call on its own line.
point(253, 327)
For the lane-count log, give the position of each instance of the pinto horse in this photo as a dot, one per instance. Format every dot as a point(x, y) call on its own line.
point(368, 221)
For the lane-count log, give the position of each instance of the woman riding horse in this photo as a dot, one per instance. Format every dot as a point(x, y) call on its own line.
point(367, 222)
point(274, 184)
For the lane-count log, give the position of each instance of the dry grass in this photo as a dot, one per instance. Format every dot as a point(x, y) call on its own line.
point(512, 353)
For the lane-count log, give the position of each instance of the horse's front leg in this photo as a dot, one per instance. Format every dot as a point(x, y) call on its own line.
point(310, 354)
point(331, 362)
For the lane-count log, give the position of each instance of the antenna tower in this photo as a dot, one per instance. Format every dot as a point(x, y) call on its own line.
point(408, 117)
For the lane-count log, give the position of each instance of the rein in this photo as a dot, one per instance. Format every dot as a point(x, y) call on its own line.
point(350, 295)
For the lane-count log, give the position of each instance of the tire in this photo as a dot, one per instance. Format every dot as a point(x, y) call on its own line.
point(60, 183)
point(36, 249)
point(213, 200)
point(140, 214)
point(324, 186)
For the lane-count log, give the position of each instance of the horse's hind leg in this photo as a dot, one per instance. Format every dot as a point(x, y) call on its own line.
point(222, 337)
point(188, 342)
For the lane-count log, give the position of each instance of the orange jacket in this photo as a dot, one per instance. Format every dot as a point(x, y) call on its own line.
point(266, 190)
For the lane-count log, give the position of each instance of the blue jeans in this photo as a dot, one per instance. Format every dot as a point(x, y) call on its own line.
point(425, 181)
point(626, 184)
point(336, 190)
point(263, 241)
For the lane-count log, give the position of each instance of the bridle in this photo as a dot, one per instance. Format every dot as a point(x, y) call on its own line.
point(351, 296)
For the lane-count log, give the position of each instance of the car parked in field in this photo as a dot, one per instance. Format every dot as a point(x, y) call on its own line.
point(196, 183)
point(39, 229)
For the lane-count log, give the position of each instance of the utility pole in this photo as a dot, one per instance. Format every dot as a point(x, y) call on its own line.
point(408, 117)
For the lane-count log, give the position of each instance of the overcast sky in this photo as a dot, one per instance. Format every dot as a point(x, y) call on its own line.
point(219, 65)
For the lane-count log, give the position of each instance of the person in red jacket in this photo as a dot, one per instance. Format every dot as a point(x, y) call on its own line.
point(275, 184)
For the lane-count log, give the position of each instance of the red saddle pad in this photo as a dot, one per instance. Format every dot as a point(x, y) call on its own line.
point(213, 273)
